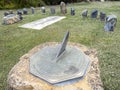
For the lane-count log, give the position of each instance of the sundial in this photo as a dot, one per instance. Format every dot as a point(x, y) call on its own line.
point(59, 63)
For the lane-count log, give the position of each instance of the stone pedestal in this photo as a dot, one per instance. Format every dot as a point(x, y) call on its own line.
point(19, 77)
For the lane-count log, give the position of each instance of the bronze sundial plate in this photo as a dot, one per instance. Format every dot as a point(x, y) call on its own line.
point(72, 64)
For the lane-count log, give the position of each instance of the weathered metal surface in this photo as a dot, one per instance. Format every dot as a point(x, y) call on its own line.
point(62, 46)
point(72, 64)
point(60, 63)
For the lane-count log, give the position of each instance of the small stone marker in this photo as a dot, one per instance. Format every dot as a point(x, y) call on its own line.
point(102, 16)
point(6, 13)
point(11, 12)
point(19, 13)
point(94, 13)
point(52, 10)
point(84, 13)
point(63, 8)
point(43, 10)
point(25, 11)
point(72, 11)
point(110, 22)
point(33, 10)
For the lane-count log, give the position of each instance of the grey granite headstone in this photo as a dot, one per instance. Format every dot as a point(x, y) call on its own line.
point(72, 11)
point(43, 10)
point(71, 65)
point(110, 22)
point(84, 13)
point(25, 11)
point(94, 13)
point(11, 12)
point(33, 10)
point(52, 10)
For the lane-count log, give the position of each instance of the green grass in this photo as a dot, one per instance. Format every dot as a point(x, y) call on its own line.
point(16, 41)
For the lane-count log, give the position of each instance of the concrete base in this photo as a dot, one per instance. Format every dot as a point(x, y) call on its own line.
point(19, 77)
point(40, 24)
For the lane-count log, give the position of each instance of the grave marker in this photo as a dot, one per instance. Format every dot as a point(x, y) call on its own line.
point(102, 16)
point(84, 13)
point(72, 11)
point(110, 22)
point(25, 11)
point(52, 10)
point(63, 8)
point(94, 13)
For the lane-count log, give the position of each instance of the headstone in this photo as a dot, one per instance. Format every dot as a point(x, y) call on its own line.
point(6, 13)
point(10, 19)
point(84, 13)
point(94, 13)
point(43, 10)
point(110, 22)
point(11, 12)
point(25, 11)
point(52, 10)
point(19, 13)
point(33, 10)
point(102, 16)
point(63, 8)
point(72, 11)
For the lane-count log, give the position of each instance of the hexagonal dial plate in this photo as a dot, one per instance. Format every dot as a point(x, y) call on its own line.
point(72, 64)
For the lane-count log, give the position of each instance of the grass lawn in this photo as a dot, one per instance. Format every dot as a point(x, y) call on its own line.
point(16, 41)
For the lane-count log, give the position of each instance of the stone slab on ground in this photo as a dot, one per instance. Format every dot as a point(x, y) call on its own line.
point(40, 24)
point(19, 77)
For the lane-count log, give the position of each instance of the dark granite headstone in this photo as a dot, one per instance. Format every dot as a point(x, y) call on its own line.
point(25, 11)
point(110, 22)
point(63, 8)
point(6, 13)
point(33, 10)
point(94, 13)
point(19, 13)
point(52, 10)
point(43, 10)
point(102, 16)
point(84, 13)
point(72, 11)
